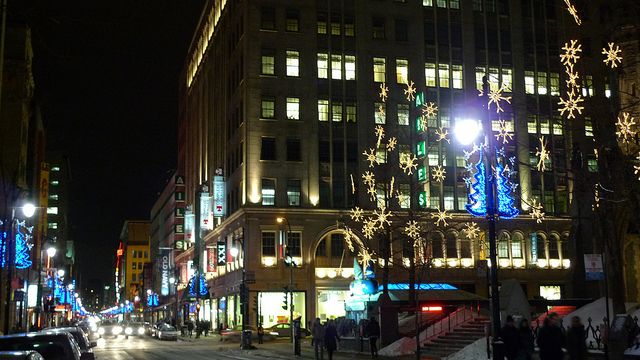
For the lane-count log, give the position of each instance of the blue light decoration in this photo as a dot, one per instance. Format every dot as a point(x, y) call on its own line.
point(477, 205)
point(364, 282)
point(421, 286)
point(152, 300)
point(202, 289)
point(506, 208)
point(22, 249)
point(3, 248)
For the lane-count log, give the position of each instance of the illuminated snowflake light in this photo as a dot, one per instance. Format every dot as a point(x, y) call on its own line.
point(543, 154)
point(384, 92)
point(412, 229)
point(368, 178)
point(424, 123)
point(573, 11)
point(471, 230)
point(438, 173)
point(496, 97)
point(371, 157)
point(410, 91)
point(572, 77)
point(571, 53)
point(637, 167)
point(356, 214)
point(503, 133)
point(409, 163)
point(368, 228)
point(536, 211)
point(612, 55)
point(382, 217)
point(353, 184)
point(371, 191)
point(381, 111)
point(441, 134)
point(571, 105)
point(391, 143)
point(441, 217)
point(429, 109)
point(625, 126)
point(379, 134)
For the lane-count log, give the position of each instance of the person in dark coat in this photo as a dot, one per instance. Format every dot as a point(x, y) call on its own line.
point(190, 327)
point(525, 335)
point(510, 338)
point(331, 338)
point(373, 332)
point(576, 346)
point(551, 339)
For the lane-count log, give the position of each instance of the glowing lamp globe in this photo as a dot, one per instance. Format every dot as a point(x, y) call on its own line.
point(234, 252)
point(28, 210)
point(466, 131)
point(51, 252)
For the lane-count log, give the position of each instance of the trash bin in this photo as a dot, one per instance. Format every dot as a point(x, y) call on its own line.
point(246, 339)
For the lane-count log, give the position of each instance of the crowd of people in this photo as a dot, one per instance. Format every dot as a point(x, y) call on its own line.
point(326, 336)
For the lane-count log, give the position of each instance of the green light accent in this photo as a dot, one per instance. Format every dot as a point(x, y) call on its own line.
point(420, 99)
point(422, 199)
point(419, 124)
point(421, 149)
point(422, 173)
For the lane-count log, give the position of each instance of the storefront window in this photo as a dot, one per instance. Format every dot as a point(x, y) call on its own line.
point(551, 292)
point(271, 308)
point(331, 304)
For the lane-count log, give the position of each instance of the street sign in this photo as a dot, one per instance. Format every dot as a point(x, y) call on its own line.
point(593, 268)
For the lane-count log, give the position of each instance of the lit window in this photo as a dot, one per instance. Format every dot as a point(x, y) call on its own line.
point(587, 89)
point(52, 210)
point(494, 83)
point(507, 79)
point(454, 4)
point(381, 154)
point(403, 114)
point(607, 90)
point(336, 67)
point(503, 249)
point(588, 128)
point(268, 62)
point(336, 111)
point(434, 203)
point(544, 126)
point(430, 74)
point(293, 192)
point(53, 197)
point(323, 66)
point(529, 83)
point(380, 111)
point(532, 126)
point(322, 23)
point(441, 3)
point(433, 158)
point(55, 182)
point(293, 108)
point(443, 75)
point(55, 168)
point(52, 225)
point(268, 108)
point(379, 69)
point(349, 27)
point(335, 28)
point(292, 23)
point(427, 2)
point(405, 196)
point(134, 266)
point(268, 192)
point(402, 71)
point(557, 126)
point(293, 63)
point(449, 199)
point(323, 110)
point(542, 83)
point(351, 113)
point(479, 76)
point(456, 72)
point(350, 67)
point(554, 84)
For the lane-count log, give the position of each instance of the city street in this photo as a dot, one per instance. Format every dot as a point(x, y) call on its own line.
point(204, 348)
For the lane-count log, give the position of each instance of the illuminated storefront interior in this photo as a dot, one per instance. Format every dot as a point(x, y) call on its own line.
point(330, 304)
point(551, 292)
point(271, 308)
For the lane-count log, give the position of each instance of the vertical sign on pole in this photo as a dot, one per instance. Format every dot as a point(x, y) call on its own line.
point(165, 270)
point(593, 267)
point(219, 194)
point(206, 221)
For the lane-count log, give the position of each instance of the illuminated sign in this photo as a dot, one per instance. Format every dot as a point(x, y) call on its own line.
point(189, 226)
point(222, 251)
point(212, 261)
point(219, 196)
point(534, 247)
point(431, 308)
point(165, 270)
point(206, 219)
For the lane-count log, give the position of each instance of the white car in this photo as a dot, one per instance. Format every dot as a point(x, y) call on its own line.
point(167, 332)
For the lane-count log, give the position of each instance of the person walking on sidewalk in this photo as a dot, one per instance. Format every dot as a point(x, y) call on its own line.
point(260, 333)
point(576, 346)
point(331, 338)
point(511, 339)
point(525, 352)
point(190, 327)
point(317, 331)
point(551, 339)
point(373, 332)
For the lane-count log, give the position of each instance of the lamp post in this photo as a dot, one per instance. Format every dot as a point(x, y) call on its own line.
point(245, 344)
point(289, 262)
point(466, 131)
point(28, 210)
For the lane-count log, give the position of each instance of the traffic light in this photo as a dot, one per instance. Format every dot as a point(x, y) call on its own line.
point(285, 299)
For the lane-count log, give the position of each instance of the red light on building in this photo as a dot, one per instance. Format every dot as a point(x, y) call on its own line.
point(431, 308)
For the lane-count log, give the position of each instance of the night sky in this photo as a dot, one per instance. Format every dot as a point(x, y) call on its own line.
point(106, 75)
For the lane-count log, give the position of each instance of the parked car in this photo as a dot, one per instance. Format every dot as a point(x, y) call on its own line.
point(167, 332)
point(284, 330)
point(80, 337)
point(60, 346)
point(20, 355)
point(235, 333)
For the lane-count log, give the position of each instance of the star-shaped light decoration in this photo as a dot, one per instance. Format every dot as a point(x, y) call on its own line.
point(348, 238)
point(471, 230)
point(612, 55)
point(402, 197)
point(368, 228)
point(625, 126)
point(353, 184)
point(637, 167)
point(368, 178)
point(495, 97)
point(424, 122)
point(438, 173)
point(381, 111)
point(379, 130)
point(441, 134)
point(543, 154)
point(441, 217)
point(503, 133)
point(572, 77)
point(384, 92)
point(429, 109)
point(356, 214)
point(410, 92)
point(371, 157)
point(391, 143)
point(573, 11)
point(571, 53)
point(409, 163)
point(371, 191)
point(383, 217)
point(571, 105)
point(412, 229)
point(536, 211)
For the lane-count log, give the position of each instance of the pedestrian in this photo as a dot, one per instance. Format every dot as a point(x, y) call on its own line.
point(576, 346)
point(331, 338)
point(190, 327)
point(510, 337)
point(525, 335)
point(260, 333)
point(317, 331)
point(220, 330)
point(207, 326)
point(373, 332)
point(551, 339)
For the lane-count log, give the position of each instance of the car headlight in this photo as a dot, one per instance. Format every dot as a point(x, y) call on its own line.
point(273, 333)
point(128, 330)
point(93, 327)
point(101, 331)
point(140, 331)
point(116, 330)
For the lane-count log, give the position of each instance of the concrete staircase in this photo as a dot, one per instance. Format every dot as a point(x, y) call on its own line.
point(453, 341)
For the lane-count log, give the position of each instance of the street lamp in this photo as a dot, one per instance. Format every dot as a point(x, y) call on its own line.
point(60, 273)
point(466, 131)
point(245, 342)
point(289, 262)
point(51, 251)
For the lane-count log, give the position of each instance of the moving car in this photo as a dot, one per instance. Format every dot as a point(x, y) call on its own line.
point(109, 329)
point(167, 332)
point(79, 336)
point(132, 329)
point(20, 355)
point(60, 346)
point(284, 330)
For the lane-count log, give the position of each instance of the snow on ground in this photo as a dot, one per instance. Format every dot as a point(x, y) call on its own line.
point(404, 346)
point(597, 311)
point(473, 351)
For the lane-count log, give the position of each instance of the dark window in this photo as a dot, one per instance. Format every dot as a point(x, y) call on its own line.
point(323, 151)
point(321, 250)
point(293, 192)
point(402, 32)
point(268, 150)
point(293, 21)
point(378, 28)
point(293, 244)
point(436, 246)
point(268, 18)
point(268, 243)
point(337, 245)
point(452, 251)
point(465, 248)
point(293, 149)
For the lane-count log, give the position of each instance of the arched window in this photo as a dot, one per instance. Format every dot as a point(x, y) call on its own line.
point(321, 250)
point(503, 245)
point(465, 248)
point(435, 240)
point(541, 245)
point(554, 246)
point(451, 245)
point(564, 247)
point(517, 245)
